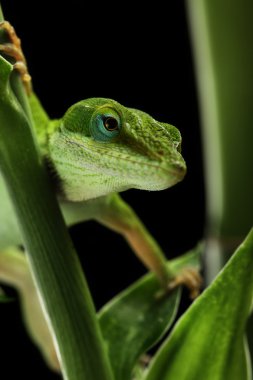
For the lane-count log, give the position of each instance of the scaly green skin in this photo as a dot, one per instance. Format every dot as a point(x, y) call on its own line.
point(144, 155)
point(89, 165)
point(90, 162)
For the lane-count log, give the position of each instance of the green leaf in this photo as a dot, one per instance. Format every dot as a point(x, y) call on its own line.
point(135, 319)
point(5, 71)
point(53, 261)
point(208, 341)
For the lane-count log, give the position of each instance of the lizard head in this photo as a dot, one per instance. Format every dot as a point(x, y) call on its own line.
point(102, 147)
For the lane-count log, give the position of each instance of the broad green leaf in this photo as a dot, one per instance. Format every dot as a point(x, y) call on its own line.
point(135, 319)
point(208, 341)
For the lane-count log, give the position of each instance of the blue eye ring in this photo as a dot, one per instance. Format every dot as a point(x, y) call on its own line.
point(105, 124)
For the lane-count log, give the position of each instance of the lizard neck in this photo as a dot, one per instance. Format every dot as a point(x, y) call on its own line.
point(43, 126)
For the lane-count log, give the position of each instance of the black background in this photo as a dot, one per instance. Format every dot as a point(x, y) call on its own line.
point(141, 58)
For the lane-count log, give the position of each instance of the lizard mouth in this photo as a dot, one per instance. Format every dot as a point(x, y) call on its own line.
point(125, 171)
point(156, 176)
point(163, 178)
point(168, 170)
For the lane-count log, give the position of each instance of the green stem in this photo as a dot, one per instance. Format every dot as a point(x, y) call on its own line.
point(54, 263)
point(222, 40)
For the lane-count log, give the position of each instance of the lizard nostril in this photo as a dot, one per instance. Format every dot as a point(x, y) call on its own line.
point(160, 152)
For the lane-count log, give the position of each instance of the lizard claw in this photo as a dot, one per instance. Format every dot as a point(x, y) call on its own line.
point(191, 278)
point(13, 49)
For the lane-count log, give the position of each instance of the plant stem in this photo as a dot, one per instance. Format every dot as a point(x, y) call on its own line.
point(222, 41)
point(54, 263)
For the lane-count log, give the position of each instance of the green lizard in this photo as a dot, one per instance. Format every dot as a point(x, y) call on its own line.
point(98, 148)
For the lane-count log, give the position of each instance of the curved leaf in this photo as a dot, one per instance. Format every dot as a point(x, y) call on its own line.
point(208, 341)
point(135, 319)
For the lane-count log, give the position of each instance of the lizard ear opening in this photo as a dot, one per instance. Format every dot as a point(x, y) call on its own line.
point(105, 124)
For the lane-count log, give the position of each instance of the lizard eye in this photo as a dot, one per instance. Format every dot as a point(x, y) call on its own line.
point(111, 123)
point(105, 124)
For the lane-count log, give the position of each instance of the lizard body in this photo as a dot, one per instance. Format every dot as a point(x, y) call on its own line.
point(96, 150)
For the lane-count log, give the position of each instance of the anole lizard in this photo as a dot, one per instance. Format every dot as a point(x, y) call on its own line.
point(97, 149)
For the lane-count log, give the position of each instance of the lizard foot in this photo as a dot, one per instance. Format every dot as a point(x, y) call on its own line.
point(13, 49)
point(191, 278)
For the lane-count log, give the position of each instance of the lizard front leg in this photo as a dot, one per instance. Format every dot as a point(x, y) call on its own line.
point(119, 216)
point(13, 49)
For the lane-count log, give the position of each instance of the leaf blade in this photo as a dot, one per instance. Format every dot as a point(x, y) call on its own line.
point(210, 334)
point(127, 322)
